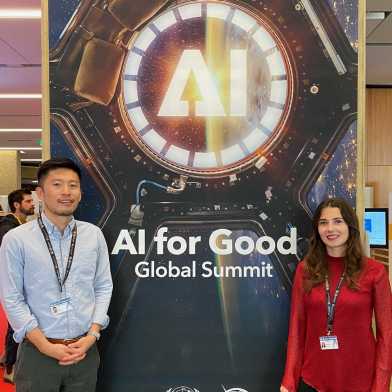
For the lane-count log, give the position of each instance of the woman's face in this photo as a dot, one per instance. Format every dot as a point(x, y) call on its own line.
point(334, 231)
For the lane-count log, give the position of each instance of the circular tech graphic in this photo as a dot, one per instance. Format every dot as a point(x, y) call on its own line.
point(207, 87)
point(182, 388)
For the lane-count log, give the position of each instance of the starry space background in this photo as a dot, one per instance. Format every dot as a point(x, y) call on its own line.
point(92, 204)
point(338, 177)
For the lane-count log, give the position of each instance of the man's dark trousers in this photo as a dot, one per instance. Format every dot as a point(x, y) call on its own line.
point(36, 372)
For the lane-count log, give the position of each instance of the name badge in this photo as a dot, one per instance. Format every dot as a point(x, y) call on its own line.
point(329, 343)
point(60, 307)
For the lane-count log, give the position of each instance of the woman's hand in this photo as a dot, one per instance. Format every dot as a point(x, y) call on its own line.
point(283, 389)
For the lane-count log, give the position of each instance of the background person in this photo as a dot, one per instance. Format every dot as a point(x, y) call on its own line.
point(55, 286)
point(21, 206)
point(332, 348)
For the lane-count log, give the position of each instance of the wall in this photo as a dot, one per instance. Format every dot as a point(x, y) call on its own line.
point(9, 171)
point(379, 142)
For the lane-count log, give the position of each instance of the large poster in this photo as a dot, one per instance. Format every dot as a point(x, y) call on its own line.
point(208, 131)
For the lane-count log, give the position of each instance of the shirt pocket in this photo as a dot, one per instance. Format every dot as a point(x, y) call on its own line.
point(86, 265)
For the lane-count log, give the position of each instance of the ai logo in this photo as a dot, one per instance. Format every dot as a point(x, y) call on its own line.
point(207, 86)
point(211, 105)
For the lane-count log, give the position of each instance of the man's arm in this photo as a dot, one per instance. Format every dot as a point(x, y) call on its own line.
point(103, 284)
point(103, 287)
point(11, 287)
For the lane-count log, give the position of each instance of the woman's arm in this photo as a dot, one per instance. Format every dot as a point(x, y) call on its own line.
point(383, 312)
point(297, 333)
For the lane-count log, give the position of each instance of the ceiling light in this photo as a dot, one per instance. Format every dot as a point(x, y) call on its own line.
point(21, 130)
point(20, 13)
point(375, 15)
point(20, 96)
point(31, 160)
point(21, 148)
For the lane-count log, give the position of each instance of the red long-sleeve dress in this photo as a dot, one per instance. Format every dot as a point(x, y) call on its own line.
point(362, 363)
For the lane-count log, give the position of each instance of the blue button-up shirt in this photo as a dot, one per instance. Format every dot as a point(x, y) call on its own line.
point(29, 286)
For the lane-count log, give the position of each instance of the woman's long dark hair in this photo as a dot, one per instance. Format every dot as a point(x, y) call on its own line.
point(316, 267)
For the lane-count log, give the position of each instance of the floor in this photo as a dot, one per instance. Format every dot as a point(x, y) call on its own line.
point(4, 387)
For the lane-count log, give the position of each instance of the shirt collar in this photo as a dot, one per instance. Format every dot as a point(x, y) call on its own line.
point(52, 228)
point(15, 216)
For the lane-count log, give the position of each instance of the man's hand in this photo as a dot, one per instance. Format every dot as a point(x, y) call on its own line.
point(60, 352)
point(79, 350)
point(64, 354)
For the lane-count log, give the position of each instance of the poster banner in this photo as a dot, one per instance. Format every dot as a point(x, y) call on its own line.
point(208, 132)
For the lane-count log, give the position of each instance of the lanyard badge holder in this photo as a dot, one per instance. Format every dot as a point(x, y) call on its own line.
point(330, 341)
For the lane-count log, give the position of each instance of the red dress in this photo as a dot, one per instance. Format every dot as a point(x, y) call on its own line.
point(362, 363)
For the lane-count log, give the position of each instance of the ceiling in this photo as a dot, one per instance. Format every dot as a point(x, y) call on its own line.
point(20, 69)
point(379, 42)
point(20, 72)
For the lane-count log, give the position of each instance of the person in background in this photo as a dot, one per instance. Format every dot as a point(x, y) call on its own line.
point(21, 206)
point(55, 286)
point(331, 346)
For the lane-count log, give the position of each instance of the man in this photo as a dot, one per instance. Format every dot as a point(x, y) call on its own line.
point(21, 205)
point(55, 285)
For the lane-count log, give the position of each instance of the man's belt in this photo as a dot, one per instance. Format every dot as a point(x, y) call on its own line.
point(66, 342)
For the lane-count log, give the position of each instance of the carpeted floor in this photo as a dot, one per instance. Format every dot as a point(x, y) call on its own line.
point(4, 387)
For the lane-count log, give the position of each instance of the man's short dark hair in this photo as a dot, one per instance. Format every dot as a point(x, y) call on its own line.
point(54, 164)
point(17, 197)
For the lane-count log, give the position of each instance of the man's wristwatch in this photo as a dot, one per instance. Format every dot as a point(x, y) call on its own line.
point(97, 335)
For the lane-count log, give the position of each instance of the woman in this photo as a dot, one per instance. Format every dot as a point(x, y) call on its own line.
point(335, 350)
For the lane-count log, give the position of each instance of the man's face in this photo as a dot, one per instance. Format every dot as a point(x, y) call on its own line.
point(26, 207)
point(60, 192)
